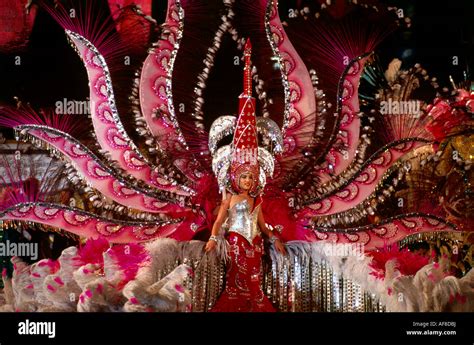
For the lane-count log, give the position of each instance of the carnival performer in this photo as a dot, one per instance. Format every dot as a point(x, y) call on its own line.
point(242, 210)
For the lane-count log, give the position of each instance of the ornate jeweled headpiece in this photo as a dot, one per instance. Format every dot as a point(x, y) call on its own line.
point(244, 154)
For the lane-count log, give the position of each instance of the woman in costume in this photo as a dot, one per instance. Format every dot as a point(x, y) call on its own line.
point(246, 223)
point(244, 215)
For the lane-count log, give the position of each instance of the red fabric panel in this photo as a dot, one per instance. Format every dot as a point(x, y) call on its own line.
point(15, 25)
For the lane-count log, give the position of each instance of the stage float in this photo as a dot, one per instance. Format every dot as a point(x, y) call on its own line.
point(345, 150)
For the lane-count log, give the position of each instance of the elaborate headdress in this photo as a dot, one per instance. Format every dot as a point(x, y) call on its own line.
point(244, 154)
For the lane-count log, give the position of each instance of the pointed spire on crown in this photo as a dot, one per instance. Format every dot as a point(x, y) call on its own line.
point(248, 69)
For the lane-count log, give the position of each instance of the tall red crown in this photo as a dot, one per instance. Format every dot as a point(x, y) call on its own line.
point(245, 144)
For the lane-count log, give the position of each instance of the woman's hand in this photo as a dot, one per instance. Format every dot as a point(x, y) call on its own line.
point(279, 246)
point(210, 245)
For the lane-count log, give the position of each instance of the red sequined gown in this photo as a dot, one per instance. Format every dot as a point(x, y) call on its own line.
point(243, 292)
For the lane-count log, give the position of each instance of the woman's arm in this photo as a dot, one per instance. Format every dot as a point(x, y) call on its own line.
point(274, 239)
point(263, 226)
point(221, 216)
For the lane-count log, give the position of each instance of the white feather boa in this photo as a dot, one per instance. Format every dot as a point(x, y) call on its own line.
point(430, 289)
point(162, 284)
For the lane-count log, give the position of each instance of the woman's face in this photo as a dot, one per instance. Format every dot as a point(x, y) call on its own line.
point(246, 181)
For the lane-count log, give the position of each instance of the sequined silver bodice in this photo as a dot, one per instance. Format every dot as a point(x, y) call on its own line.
point(243, 221)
